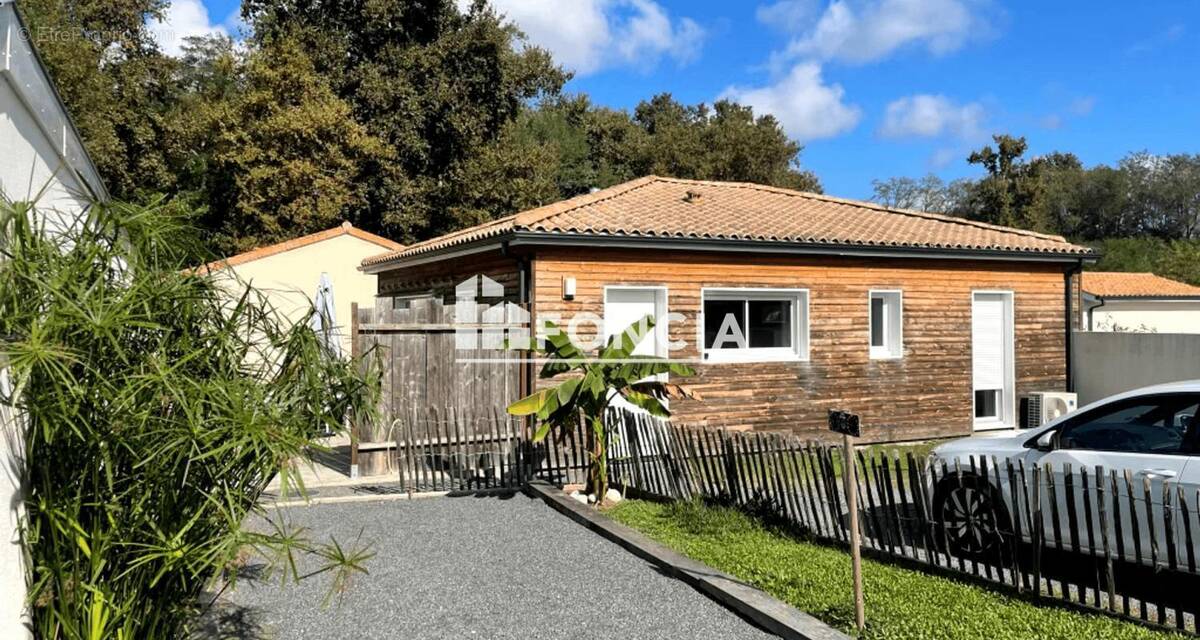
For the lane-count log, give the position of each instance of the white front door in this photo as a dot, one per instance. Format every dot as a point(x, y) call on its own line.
point(624, 306)
point(992, 360)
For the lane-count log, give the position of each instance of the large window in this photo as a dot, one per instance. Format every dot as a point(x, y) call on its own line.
point(886, 323)
point(1155, 424)
point(748, 325)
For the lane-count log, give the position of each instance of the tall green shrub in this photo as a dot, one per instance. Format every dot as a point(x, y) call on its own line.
point(156, 410)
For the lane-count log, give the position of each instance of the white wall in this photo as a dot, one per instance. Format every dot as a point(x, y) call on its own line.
point(42, 159)
point(29, 165)
point(12, 565)
point(289, 279)
point(1147, 316)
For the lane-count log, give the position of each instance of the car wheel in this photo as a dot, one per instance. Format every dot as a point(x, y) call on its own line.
point(972, 519)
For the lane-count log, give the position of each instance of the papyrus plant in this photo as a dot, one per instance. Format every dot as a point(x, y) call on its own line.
point(592, 384)
point(155, 409)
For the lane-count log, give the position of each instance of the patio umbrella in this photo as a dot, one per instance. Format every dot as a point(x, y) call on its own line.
point(324, 318)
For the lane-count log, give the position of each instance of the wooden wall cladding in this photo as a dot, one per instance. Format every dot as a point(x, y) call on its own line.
point(925, 394)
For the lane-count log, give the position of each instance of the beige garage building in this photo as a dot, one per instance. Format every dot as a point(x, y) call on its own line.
point(289, 272)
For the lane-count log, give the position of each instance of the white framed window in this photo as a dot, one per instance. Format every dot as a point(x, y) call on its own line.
point(754, 325)
point(886, 320)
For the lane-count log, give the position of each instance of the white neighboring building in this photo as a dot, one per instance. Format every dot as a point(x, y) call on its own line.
point(1139, 303)
point(41, 157)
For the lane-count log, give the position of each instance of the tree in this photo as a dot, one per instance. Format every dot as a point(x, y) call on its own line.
point(290, 159)
point(599, 147)
point(930, 193)
point(1165, 193)
point(114, 81)
point(593, 385)
point(1101, 207)
point(415, 117)
point(1128, 254)
point(1011, 193)
point(1181, 261)
point(436, 85)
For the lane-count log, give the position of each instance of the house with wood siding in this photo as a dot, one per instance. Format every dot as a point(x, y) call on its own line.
point(790, 304)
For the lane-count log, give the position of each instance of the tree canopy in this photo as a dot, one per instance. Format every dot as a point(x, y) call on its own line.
point(1143, 213)
point(409, 118)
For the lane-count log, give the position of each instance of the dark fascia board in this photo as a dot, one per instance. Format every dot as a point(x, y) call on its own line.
point(556, 239)
point(445, 253)
point(519, 238)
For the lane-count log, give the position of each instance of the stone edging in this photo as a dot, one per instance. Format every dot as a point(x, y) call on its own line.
point(769, 613)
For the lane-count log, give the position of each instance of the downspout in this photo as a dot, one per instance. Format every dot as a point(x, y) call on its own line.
point(525, 265)
point(1069, 333)
point(1092, 313)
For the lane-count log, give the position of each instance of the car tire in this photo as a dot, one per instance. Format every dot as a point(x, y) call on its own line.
point(972, 520)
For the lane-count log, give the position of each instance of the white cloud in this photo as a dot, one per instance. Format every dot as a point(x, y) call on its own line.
point(1077, 108)
point(787, 15)
point(1161, 39)
point(1082, 106)
point(586, 36)
point(185, 19)
point(930, 116)
point(941, 158)
point(861, 31)
point(807, 108)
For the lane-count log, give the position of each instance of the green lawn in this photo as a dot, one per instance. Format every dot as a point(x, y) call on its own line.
point(901, 603)
point(877, 451)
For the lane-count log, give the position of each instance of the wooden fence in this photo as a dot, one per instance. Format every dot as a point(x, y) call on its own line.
point(453, 451)
point(426, 369)
point(1092, 538)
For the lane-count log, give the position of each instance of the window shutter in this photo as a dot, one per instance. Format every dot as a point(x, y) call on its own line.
point(987, 342)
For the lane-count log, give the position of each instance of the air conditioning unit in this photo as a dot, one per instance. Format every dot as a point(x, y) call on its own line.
point(1041, 407)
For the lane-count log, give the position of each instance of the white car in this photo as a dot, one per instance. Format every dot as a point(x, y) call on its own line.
point(1147, 436)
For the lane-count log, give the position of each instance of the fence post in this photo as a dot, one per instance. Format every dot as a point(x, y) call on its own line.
point(848, 425)
point(850, 472)
point(354, 355)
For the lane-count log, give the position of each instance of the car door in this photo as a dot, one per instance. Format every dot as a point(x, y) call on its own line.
point(1148, 443)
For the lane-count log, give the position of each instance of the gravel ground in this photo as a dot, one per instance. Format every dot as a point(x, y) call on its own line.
point(473, 567)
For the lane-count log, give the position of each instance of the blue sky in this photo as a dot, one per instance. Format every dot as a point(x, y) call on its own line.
point(880, 88)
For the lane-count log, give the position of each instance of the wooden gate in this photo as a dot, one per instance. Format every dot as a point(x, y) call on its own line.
point(434, 357)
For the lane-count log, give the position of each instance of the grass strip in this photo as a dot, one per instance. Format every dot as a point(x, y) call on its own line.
point(901, 603)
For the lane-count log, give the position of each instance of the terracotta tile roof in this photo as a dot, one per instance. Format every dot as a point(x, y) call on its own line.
point(1114, 284)
point(672, 208)
point(303, 241)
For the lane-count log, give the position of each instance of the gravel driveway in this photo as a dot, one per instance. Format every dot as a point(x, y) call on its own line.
point(474, 567)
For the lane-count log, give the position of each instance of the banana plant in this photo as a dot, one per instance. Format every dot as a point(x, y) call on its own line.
point(590, 385)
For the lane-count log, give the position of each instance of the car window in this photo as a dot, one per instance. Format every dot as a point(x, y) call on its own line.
point(1158, 424)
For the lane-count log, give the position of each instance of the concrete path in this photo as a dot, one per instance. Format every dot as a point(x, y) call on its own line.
point(473, 567)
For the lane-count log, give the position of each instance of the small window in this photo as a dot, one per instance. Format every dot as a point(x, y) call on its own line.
point(885, 320)
point(755, 324)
